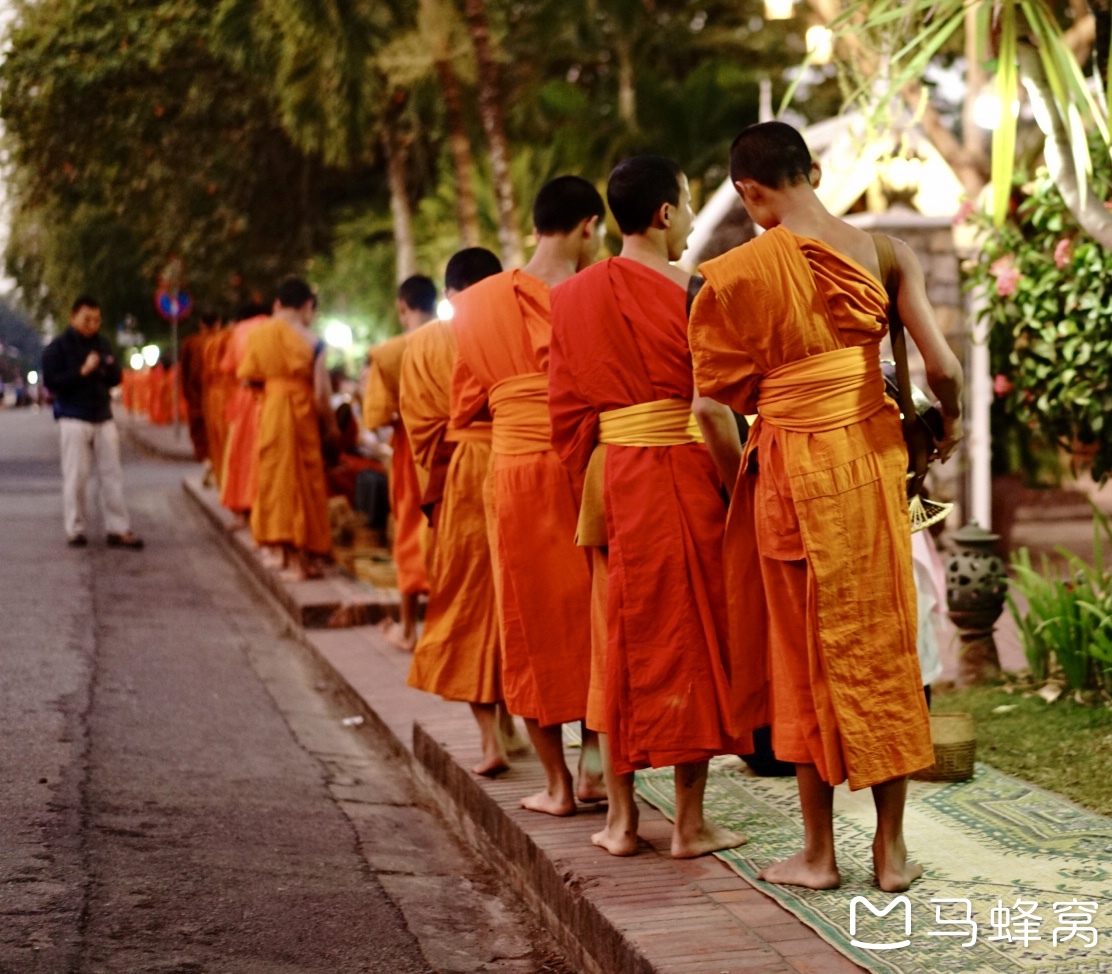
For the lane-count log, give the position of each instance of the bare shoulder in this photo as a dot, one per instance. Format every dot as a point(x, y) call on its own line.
point(908, 259)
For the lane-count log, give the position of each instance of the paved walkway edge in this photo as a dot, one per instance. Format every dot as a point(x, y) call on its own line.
point(550, 893)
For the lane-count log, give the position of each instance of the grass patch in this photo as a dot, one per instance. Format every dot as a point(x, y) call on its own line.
point(1064, 747)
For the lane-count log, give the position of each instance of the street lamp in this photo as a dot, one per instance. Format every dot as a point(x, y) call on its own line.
point(444, 310)
point(820, 44)
point(32, 378)
point(150, 355)
point(137, 361)
point(339, 335)
point(779, 9)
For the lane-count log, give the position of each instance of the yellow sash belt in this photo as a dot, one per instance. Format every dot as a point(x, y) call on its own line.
point(519, 406)
point(823, 392)
point(663, 422)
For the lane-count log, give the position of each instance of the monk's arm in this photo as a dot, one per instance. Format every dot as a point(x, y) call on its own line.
point(724, 370)
point(722, 438)
point(468, 397)
point(378, 404)
point(944, 374)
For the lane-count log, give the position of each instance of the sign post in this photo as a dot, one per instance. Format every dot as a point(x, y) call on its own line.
point(173, 305)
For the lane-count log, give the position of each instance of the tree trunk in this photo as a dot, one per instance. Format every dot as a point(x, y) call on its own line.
point(404, 245)
point(467, 207)
point(627, 90)
point(494, 124)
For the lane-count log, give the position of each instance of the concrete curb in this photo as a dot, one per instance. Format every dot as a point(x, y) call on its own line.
point(158, 441)
point(325, 603)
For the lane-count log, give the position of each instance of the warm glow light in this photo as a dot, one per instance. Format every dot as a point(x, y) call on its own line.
point(32, 378)
point(902, 173)
point(150, 355)
point(137, 361)
point(338, 335)
point(820, 44)
point(779, 9)
point(986, 110)
point(444, 310)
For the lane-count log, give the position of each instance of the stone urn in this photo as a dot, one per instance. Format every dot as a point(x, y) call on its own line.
point(976, 585)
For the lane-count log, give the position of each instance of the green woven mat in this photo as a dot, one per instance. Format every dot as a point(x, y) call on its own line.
point(990, 842)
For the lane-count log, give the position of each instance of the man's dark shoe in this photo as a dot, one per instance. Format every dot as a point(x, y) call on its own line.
point(78, 541)
point(128, 540)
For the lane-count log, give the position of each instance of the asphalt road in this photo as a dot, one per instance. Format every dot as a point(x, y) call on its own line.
point(177, 791)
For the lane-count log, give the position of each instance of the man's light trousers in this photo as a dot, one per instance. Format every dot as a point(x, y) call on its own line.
point(84, 444)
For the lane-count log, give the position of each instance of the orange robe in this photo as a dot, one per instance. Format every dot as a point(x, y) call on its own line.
point(819, 533)
point(192, 359)
point(543, 583)
point(457, 654)
point(619, 338)
point(127, 389)
point(217, 386)
point(380, 408)
point(158, 403)
point(242, 411)
point(291, 506)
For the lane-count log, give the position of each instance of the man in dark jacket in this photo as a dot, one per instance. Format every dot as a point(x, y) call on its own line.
point(80, 368)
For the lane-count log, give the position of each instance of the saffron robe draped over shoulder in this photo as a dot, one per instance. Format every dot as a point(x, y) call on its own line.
point(619, 339)
point(543, 583)
point(380, 408)
point(821, 532)
point(291, 506)
point(457, 653)
point(244, 407)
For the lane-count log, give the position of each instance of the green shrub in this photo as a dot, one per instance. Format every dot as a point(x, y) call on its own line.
point(1068, 622)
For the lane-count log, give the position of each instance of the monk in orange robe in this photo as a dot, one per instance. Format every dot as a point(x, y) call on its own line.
point(287, 360)
point(502, 328)
point(789, 327)
point(192, 360)
point(621, 392)
point(242, 412)
point(158, 403)
point(457, 653)
point(217, 387)
point(416, 306)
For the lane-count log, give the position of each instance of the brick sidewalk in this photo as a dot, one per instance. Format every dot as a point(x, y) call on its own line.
point(648, 914)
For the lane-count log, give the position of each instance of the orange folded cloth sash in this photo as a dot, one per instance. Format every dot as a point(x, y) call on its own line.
point(475, 433)
point(286, 384)
point(662, 422)
point(519, 407)
point(823, 392)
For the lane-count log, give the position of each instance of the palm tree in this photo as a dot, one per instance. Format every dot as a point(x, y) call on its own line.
point(1033, 51)
point(492, 113)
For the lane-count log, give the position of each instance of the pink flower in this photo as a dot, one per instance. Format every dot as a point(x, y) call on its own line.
point(1007, 275)
point(1063, 253)
point(964, 213)
point(1002, 385)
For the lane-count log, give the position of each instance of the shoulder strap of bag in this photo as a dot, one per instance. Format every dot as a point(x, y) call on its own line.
point(890, 276)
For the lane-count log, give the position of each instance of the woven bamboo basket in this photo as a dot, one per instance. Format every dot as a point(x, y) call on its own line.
point(955, 748)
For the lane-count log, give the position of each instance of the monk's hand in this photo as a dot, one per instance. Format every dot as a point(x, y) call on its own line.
point(953, 432)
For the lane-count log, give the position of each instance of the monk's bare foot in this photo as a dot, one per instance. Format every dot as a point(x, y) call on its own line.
point(710, 838)
point(395, 635)
point(491, 767)
point(797, 871)
point(894, 873)
point(237, 523)
point(591, 785)
point(542, 801)
point(617, 841)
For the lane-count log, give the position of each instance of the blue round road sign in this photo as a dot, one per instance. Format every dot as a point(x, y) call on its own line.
point(171, 305)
